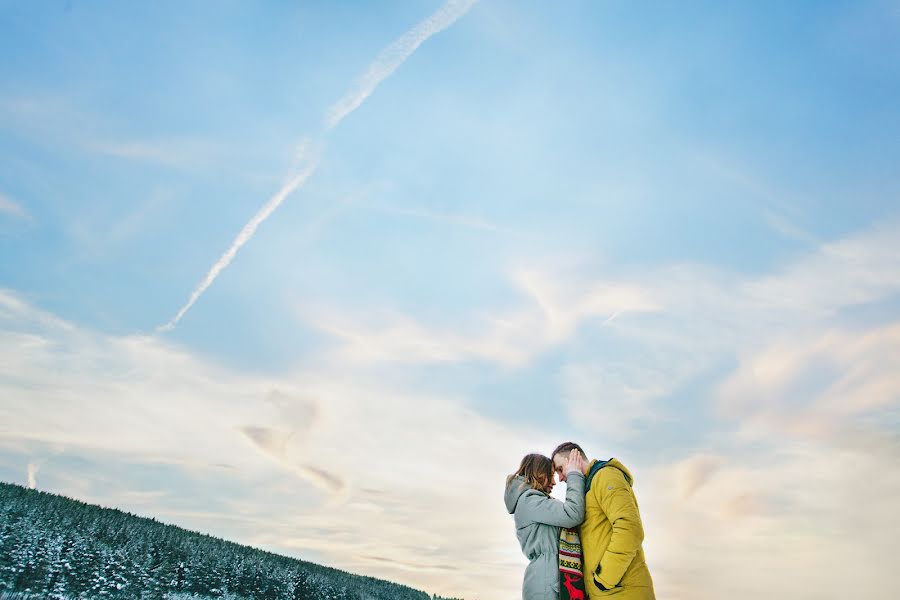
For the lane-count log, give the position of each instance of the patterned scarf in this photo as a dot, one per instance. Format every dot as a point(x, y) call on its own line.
point(571, 579)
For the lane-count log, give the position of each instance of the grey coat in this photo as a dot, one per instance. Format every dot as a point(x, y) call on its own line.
point(538, 520)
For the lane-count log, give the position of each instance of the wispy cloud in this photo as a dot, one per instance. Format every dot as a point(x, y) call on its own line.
point(815, 385)
point(17, 314)
point(666, 327)
point(381, 68)
point(782, 225)
point(58, 122)
point(172, 152)
point(787, 329)
point(468, 221)
point(551, 311)
point(12, 208)
point(711, 515)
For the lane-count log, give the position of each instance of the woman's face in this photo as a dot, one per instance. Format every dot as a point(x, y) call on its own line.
point(548, 483)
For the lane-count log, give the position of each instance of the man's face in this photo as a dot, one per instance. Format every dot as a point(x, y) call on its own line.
point(560, 465)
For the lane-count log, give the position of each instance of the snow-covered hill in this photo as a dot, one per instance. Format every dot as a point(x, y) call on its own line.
point(55, 547)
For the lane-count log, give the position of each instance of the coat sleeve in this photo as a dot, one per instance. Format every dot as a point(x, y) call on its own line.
point(538, 508)
point(617, 500)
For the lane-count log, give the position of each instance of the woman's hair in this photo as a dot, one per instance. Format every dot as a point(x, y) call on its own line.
point(537, 470)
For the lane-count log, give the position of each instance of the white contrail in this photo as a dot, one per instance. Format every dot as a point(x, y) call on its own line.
point(393, 56)
point(381, 68)
point(611, 318)
point(242, 238)
point(33, 468)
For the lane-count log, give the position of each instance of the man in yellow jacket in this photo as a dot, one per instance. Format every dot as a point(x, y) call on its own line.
point(612, 533)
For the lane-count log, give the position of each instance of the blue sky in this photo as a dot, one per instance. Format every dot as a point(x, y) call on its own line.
point(667, 231)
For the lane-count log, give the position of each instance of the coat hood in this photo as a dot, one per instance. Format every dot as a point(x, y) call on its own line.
point(514, 490)
point(614, 462)
point(602, 464)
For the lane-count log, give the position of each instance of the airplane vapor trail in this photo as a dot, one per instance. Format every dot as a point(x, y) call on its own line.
point(387, 61)
point(394, 55)
point(33, 468)
point(242, 238)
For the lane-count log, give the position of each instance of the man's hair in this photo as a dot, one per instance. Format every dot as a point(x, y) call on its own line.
point(567, 447)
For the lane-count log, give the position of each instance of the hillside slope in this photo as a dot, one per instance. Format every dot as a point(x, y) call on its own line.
point(53, 546)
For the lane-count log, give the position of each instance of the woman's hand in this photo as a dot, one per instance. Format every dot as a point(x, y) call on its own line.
point(575, 462)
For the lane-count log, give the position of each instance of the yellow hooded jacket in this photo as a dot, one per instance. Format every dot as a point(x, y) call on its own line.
point(612, 534)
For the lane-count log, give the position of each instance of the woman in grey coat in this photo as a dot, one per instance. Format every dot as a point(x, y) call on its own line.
point(538, 519)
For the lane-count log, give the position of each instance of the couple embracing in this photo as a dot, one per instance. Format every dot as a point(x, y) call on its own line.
point(587, 547)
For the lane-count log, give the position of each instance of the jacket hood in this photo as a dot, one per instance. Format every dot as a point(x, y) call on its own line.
point(514, 490)
point(602, 464)
point(614, 462)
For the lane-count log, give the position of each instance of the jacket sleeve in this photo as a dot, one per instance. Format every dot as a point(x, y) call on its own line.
point(538, 508)
point(617, 501)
